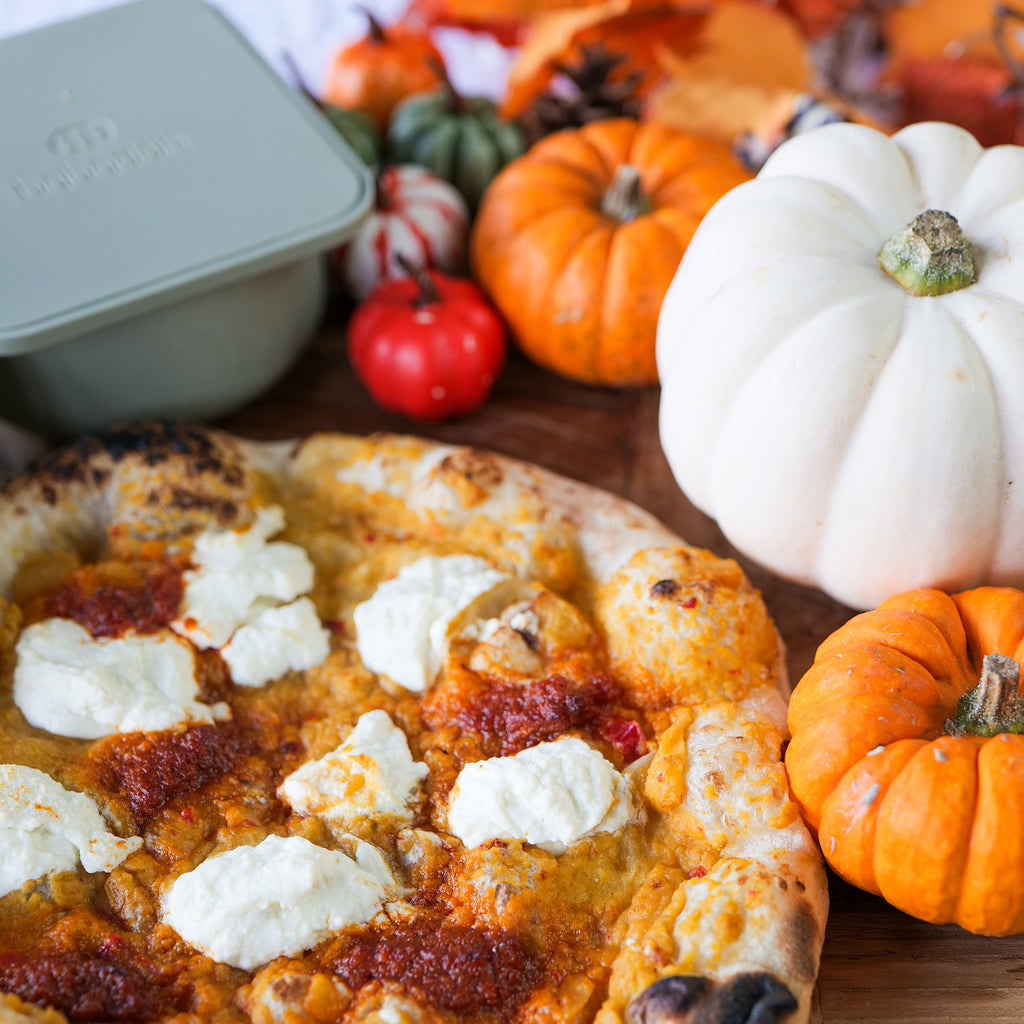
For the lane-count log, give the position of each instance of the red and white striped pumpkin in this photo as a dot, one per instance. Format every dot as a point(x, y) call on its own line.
point(417, 215)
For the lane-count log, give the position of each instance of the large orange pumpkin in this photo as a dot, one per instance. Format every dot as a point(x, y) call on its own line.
point(907, 755)
point(577, 240)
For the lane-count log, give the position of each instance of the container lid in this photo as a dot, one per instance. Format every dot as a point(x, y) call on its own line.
point(149, 153)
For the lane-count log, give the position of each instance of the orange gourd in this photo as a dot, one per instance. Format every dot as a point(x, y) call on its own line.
point(379, 70)
point(907, 755)
point(577, 240)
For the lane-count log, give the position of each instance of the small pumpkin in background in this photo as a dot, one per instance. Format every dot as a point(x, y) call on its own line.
point(379, 70)
point(907, 755)
point(577, 240)
point(460, 138)
point(416, 215)
point(358, 129)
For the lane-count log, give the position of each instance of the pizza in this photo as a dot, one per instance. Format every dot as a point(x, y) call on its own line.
point(377, 730)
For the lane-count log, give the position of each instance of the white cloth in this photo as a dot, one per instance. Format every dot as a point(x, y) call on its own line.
point(308, 31)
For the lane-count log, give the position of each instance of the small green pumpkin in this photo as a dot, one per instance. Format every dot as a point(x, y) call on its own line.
point(462, 139)
point(358, 129)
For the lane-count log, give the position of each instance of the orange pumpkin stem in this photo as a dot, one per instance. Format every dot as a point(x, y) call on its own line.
point(374, 29)
point(624, 200)
point(994, 706)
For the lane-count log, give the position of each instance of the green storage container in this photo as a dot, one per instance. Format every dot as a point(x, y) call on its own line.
point(166, 206)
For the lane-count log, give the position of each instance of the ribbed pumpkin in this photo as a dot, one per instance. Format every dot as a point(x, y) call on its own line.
point(358, 129)
point(907, 755)
point(418, 216)
point(460, 138)
point(577, 240)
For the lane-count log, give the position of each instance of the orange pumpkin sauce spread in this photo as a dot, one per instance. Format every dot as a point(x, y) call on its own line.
point(501, 932)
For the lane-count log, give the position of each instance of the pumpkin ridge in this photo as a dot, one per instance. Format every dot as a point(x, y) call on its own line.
point(612, 140)
point(797, 335)
point(993, 620)
point(535, 302)
point(584, 358)
point(549, 151)
point(850, 813)
point(669, 175)
point(938, 608)
point(678, 223)
point(624, 353)
point(996, 851)
point(538, 226)
point(824, 748)
point(910, 634)
point(924, 829)
point(863, 667)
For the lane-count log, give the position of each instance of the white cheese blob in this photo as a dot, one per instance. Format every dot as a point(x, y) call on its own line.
point(550, 795)
point(235, 571)
point(402, 630)
point(279, 639)
point(254, 903)
point(73, 684)
point(45, 827)
point(371, 774)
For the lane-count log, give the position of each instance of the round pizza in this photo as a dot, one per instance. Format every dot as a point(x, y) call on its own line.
point(376, 730)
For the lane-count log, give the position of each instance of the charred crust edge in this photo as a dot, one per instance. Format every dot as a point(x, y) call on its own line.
point(750, 997)
point(86, 461)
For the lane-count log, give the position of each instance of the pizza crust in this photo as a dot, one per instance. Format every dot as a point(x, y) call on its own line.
point(687, 635)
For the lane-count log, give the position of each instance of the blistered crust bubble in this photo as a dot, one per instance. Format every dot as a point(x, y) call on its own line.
point(684, 626)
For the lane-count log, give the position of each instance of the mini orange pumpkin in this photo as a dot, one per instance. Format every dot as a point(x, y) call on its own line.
point(577, 240)
point(379, 70)
point(907, 755)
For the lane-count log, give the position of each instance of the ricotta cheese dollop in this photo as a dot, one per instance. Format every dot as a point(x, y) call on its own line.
point(371, 774)
point(402, 629)
point(254, 903)
point(550, 795)
point(45, 828)
point(235, 571)
point(288, 637)
point(73, 684)
point(241, 598)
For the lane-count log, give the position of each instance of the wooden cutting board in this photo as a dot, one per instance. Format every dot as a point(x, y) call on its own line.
point(878, 965)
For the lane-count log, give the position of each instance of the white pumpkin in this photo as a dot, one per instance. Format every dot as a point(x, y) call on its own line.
point(842, 431)
point(417, 215)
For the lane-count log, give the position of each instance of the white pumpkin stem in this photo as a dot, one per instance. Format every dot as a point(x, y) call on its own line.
point(624, 200)
point(930, 256)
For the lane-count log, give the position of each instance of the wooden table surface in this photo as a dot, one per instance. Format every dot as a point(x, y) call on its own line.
point(878, 965)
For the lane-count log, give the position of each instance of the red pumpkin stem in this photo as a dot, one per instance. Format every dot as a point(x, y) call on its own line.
point(994, 705)
point(428, 293)
point(624, 200)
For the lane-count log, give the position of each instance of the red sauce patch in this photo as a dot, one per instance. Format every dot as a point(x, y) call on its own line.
point(454, 967)
point(522, 716)
point(148, 770)
point(110, 599)
point(84, 987)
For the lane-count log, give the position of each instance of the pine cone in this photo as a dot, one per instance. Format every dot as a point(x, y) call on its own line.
point(584, 94)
